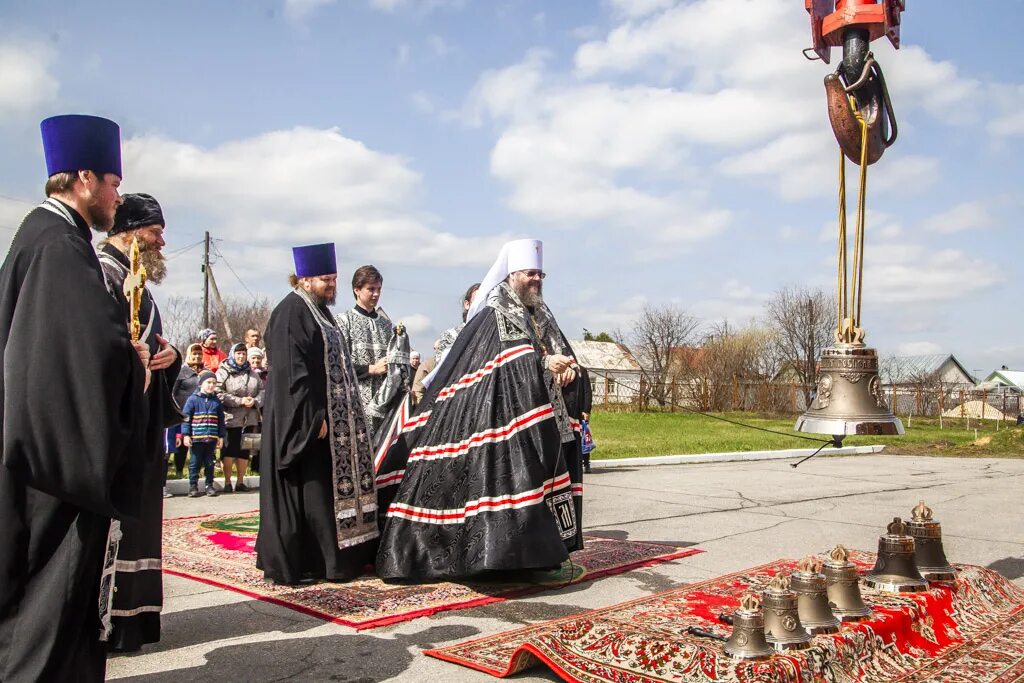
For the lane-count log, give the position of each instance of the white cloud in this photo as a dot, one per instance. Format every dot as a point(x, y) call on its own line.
point(26, 84)
point(301, 185)
point(297, 11)
point(964, 216)
point(424, 6)
point(919, 81)
point(402, 54)
point(609, 318)
point(1009, 120)
point(423, 102)
point(736, 302)
point(12, 213)
point(918, 348)
point(907, 273)
point(416, 323)
point(438, 45)
point(635, 9)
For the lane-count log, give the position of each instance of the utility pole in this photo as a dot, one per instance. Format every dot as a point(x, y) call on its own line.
point(206, 281)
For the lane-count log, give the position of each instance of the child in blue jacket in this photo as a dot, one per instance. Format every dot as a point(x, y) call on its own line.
point(203, 431)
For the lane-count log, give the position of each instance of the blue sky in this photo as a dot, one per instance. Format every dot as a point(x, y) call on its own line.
point(665, 151)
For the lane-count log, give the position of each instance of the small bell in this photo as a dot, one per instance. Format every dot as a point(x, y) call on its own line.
point(812, 598)
point(849, 398)
point(928, 551)
point(747, 639)
point(843, 584)
point(895, 569)
point(782, 627)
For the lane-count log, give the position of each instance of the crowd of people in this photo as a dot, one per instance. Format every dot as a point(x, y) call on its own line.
point(465, 464)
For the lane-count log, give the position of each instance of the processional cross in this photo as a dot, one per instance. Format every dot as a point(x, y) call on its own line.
point(134, 283)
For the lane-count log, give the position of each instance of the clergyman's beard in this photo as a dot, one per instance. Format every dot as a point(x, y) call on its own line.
point(101, 222)
point(529, 296)
point(322, 299)
point(156, 265)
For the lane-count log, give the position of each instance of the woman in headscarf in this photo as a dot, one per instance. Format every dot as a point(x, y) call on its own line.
point(241, 392)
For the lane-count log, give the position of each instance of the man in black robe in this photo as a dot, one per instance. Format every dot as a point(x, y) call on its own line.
point(318, 502)
point(138, 598)
point(487, 467)
point(73, 413)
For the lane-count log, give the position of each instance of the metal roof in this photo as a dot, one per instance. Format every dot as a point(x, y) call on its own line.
point(1013, 378)
point(898, 369)
point(596, 355)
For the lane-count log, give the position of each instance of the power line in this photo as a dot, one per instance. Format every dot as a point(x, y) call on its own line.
point(181, 250)
point(19, 200)
point(228, 264)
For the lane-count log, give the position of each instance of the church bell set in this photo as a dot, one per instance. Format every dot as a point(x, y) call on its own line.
point(782, 625)
point(928, 551)
point(843, 587)
point(747, 640)
point(811, 590)
point(896, 567)
point(819, 596)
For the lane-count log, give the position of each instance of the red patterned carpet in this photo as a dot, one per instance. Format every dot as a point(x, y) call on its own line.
point(218, 550)
point(968, 632)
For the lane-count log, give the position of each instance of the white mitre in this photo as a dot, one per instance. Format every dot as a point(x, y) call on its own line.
point(515, 255)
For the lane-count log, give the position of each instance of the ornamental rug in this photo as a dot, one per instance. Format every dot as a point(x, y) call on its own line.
point(220, 550)
point(967, 631)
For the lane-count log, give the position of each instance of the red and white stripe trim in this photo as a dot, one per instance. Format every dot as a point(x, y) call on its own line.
point(506, 356)
point(577, 489)
point(484, 504)
point(416, 422)
point(496, 435)
point(390, 479)
point(575, 425)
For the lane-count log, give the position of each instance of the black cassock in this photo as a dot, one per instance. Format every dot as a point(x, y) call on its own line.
point(485, 473)
point(72, 429)
point(139, 595)
point(317, 499)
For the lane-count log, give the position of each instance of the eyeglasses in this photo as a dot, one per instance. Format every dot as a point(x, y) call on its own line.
point(534, 273)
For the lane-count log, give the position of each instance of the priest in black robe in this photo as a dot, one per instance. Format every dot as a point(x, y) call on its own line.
point(73, 413)
point(318, 502)
point(138, 581)
point(484, 475)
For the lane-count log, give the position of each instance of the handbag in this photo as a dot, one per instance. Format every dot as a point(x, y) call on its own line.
point(251, 441)
point(586, 438)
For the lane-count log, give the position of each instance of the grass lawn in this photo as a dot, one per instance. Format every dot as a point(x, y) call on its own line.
point(631, 435)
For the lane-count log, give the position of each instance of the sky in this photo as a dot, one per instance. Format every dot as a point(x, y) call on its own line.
point(666, 152)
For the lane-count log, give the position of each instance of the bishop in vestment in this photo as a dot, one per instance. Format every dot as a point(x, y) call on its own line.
point(487, 467)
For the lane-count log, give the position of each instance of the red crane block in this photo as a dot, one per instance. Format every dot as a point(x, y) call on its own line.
point(831, 18)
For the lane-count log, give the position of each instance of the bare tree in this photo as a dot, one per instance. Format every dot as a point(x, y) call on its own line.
point(804, 322)
point(656, 336)
point(183, 318)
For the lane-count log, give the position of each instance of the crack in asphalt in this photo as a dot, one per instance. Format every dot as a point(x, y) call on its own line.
point(772, 505)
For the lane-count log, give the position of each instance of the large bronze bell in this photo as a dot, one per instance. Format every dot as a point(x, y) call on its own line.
point(896, 569)
point(812, 598)
point(928, 551)
point(849, 397)
point(782, 627)
point(747, 639)
point(843, 585)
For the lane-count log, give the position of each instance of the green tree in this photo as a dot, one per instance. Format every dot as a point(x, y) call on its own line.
point(600, 336)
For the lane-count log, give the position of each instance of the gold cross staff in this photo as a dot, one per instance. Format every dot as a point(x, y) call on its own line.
point(134, 283)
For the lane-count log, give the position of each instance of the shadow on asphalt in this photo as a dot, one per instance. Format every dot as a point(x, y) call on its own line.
point(623, 535)
point(354, 658)
point(1010, 567)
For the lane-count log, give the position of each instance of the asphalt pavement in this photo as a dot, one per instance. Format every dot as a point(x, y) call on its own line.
point(739, 513)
